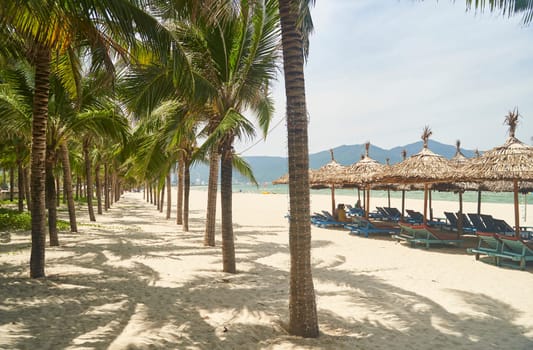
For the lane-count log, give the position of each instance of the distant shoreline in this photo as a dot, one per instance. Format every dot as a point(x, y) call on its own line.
point(468, 197)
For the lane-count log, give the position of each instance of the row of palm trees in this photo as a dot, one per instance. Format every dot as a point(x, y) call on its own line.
point(75, 73)
point(133, 87)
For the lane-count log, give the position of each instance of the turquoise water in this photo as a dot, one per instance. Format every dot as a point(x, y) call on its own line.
point(486, 197)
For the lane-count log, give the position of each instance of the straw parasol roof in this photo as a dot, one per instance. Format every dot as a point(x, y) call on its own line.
point(363, 174)
point(283, 180)
point(512, 161)
point(458, 160)
point(506, 186)
point(331, 174)
point(364, 171)
point(423, 167)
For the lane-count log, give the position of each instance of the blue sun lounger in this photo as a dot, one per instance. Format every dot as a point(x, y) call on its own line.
point(366, 228)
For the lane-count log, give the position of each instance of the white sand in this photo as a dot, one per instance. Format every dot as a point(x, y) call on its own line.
point(137, 281)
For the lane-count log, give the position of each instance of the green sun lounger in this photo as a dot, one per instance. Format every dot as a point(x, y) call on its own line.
point(425, 235)
point(488, 244)
point(515, 250)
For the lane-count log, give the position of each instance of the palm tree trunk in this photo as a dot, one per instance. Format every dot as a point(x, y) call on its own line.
point(89, 179)
point(67, 179)
point(58, 191)
point(147, 191)
point(157, 197)
point(209, 236)
point(106, 186)
point(162, 201)
point(169, 196)
point(98, 184)
point(117, 186)
point(78, 187)
point(51, 198)
point(303, 320)
point(38, 156)
point(27, 188)
point(111, 187)
point(228, 246)
point(11, 184)
point(186, 192)
point(64, 200)
point(20, 171)
point(179, 202)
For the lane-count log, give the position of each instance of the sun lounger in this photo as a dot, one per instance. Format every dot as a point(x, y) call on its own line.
point(426, 235)
point(355, 211)
point(506, 250)
point(477, 222)
point(363, 227)
point(453, 222)
point(386, 214)
point(489, 223)
point(325, 219)
point(488, 244)
point(394, 212)
point(414, 216)
point(514, 250)
point(467, 225)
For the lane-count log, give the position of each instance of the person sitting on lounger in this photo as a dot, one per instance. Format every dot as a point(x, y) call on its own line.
point(340, 213)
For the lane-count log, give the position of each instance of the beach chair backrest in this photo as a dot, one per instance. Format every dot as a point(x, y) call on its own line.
point(503, 226)
point(477, 222)
point(452, 219)
point(394, 212)
point(489, 223)
point(466, 221)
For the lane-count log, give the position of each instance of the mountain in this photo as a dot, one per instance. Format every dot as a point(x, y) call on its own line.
point(267, 169)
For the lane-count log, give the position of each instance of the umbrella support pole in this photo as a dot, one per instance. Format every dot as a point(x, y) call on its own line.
point(425, 203)
point(367, 205)
point(333, 211)
point(516, 209)
point(403, 203)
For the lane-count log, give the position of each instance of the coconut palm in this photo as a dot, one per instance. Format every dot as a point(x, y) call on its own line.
point(237, 59)
point(506, 7)
point(303, 319)
point(15, 121)
point(43, 28)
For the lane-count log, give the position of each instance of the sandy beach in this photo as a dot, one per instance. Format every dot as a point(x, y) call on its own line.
point(134, 280)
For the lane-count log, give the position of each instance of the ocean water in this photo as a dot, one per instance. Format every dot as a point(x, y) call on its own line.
point(470, 196)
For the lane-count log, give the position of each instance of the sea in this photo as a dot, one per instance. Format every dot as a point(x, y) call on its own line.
point(469, 196)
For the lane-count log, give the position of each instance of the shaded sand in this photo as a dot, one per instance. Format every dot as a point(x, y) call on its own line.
point(134, 280)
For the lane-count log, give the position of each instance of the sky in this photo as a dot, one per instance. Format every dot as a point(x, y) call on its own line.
point(381, 70)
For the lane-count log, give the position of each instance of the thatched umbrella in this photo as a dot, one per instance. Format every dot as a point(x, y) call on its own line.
point(330, 175)
point(512, 161)
point(363, 174)
point(404, 156)
point(424, 167)
point(283, 180)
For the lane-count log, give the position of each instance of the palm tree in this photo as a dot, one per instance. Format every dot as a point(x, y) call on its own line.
point(15, 121)
point(44, 28)
point(237, 59)
point(506, 7)
point(303, 320)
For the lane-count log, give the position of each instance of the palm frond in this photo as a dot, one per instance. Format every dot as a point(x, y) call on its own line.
point(244, 168)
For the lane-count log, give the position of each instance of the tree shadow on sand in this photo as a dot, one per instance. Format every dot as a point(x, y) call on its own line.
point(108, 300)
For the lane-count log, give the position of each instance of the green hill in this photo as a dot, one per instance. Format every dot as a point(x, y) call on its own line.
point(267, 169)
